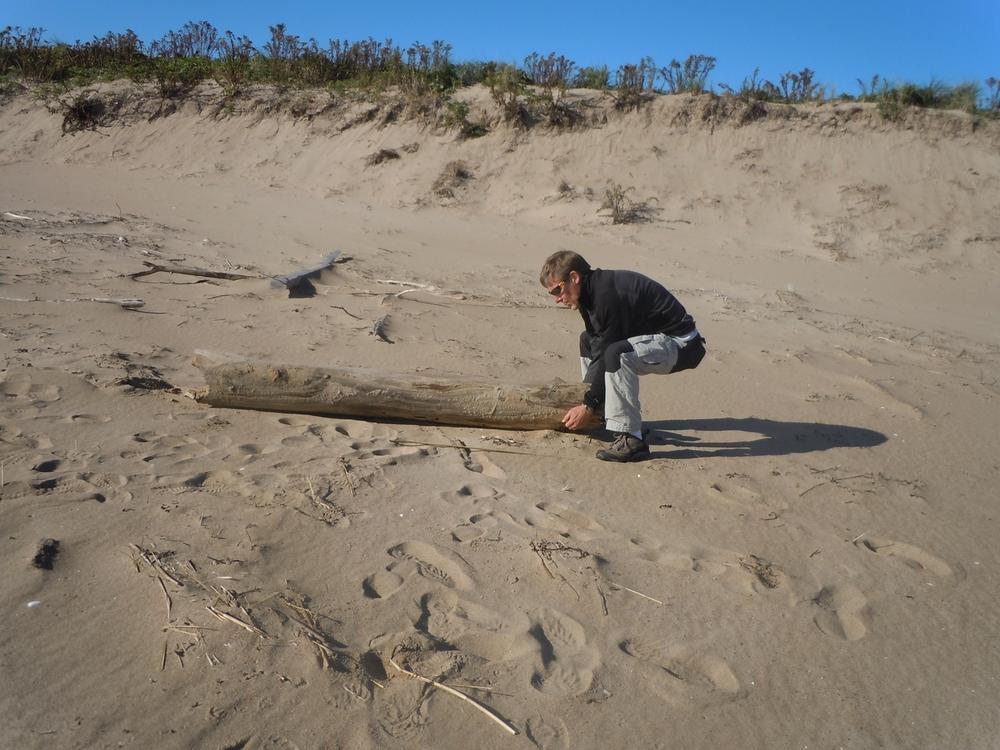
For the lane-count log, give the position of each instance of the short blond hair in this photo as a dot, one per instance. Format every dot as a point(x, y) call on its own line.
point(558, 266)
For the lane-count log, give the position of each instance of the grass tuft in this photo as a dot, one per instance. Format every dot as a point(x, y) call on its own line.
point(625, 210)
point(83, 111)
point(381, 156)
point(454, 175)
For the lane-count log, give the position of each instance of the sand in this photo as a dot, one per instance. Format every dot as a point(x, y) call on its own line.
point(808, 559)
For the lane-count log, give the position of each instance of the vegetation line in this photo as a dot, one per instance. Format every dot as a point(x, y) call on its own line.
point(197, 52)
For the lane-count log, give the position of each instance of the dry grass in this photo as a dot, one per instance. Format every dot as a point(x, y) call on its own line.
point(452, 178)
point(381, 156)
point(625, 210)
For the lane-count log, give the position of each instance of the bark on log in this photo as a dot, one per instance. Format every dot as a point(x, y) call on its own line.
point(356, 393)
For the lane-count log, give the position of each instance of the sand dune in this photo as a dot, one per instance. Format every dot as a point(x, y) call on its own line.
point(808, 559)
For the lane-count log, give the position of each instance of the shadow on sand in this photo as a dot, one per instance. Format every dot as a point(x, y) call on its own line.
point(767, 437)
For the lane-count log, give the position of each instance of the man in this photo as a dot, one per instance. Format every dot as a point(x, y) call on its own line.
point(633, 326)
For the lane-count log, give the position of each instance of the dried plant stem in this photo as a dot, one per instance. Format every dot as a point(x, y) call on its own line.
point(226, 617)
point(185, 628)
point(169, 603)
point(472, 701)
point(637, 593)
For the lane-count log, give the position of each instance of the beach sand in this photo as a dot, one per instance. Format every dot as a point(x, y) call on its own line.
point(808, 559)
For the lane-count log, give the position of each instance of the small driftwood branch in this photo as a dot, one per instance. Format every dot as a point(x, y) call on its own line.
point(129, 303)
point(378, 329)
point(292, 280)
point(462, 696)
point(189, 271)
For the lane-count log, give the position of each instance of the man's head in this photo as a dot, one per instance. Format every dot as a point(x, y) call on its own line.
point(562, 274)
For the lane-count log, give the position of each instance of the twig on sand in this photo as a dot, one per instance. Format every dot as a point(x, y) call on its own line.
point(346, 468)
point(169, 603)
point(189, 271)
point(226, 617)
point(633, 591)
point(312, 492)
point(472, 701)
point(163, 661)
point(544, 550)
point(812, 488)
point(855, 539)
point(185, 628)
point(544, 565)
point(152, 561)
point(604, 599)
point(340, 307)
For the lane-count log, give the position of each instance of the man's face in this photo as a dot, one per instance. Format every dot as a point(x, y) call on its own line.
point(566, 292)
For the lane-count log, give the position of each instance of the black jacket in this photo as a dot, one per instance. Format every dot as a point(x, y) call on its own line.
point(617, 305)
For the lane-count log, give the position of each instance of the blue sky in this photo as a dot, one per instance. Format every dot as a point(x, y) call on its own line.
point(841, 41)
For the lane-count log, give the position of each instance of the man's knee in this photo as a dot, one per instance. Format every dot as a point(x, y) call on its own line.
point(613, 355)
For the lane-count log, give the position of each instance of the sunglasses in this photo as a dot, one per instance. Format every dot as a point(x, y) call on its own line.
point(557, 290)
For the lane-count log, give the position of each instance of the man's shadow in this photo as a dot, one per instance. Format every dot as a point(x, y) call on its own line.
point(773, 438)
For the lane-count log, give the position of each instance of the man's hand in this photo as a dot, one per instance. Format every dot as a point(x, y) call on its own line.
point(580, 418)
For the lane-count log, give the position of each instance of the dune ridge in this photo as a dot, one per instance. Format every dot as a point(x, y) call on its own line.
point(808, 559)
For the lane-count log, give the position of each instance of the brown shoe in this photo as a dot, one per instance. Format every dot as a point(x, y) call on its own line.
point(625, 448)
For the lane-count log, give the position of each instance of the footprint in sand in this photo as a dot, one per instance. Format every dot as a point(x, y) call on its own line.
point(402, 709)
point(728, 568)
point(261, 489)
point(568, 661)
point(844, 612)
point(474, 629)
point(680, 672)
point(735, 495)
point(13, 439)
point(910, 555)
point(548, 734)
point(87, 418)
point(429, 561)
point(469, 495)
point(547, 518)
point(167, 452)
point(79, 487)
point(21, 386)
point(562, 520)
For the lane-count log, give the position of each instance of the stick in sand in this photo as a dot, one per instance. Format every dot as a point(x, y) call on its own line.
point(633, 591)
point(225, 616)
point(476, 704)
point(169, 603)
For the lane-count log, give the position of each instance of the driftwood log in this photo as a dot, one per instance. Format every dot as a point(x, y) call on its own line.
point(367, 394)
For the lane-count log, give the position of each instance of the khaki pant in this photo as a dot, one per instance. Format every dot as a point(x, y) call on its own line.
point(651, 354)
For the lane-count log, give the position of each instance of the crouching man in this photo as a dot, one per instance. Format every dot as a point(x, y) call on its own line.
point(633, 326)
